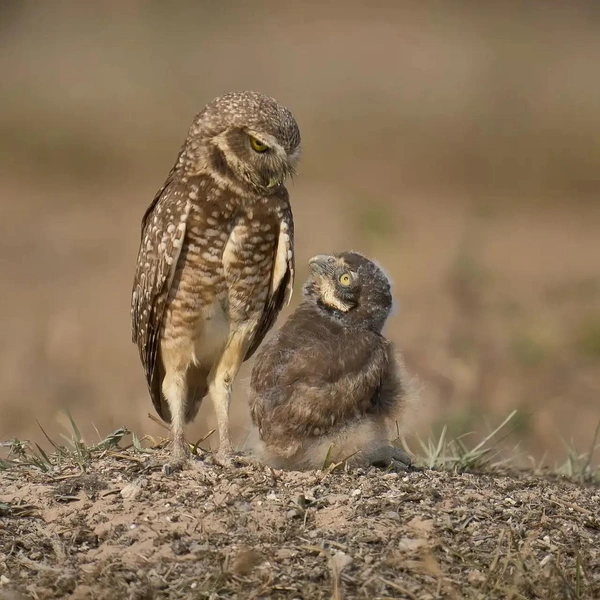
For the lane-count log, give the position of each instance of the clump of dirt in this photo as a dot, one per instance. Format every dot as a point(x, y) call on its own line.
point(124, 530)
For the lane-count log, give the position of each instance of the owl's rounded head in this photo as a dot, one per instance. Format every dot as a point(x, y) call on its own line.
point(350, 287)
point(245, 138)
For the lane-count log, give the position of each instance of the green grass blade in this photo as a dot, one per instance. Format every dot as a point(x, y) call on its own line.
point(74, 426)
point(56, 447)
point(43, 454)
point(499, 428)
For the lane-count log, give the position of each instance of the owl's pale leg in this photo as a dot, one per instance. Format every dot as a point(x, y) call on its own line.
point(220, 385)
point(175, 391)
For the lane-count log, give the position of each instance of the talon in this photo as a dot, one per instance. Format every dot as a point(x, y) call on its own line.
point(398, 455)
point(222, 459)
point(179, 460)
point(174, 465)
point(229, 458)
point(398, 465)
point(390, 456)
point(244, 459)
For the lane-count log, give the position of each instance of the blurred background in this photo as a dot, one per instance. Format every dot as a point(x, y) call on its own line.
point(456, 143)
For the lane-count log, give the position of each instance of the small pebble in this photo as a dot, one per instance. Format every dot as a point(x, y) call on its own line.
point(341, 560)
point(337, 498)
point(390, 514)
point(130, 491)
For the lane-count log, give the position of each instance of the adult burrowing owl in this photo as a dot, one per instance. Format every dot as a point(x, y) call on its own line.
point(329, 385)
point(216, 259)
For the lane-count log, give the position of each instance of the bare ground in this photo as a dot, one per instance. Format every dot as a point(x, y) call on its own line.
point(123, 530)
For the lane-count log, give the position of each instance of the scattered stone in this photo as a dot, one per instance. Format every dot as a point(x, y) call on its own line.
point(245, 560)
point(130, 491)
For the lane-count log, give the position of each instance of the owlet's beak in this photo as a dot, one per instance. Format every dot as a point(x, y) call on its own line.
point(322, 264)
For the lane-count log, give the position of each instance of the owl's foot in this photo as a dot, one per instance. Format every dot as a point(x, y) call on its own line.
point(174, 465)
point(390, 456)
point(180, 457)
point(230, 459)
point(246, 460)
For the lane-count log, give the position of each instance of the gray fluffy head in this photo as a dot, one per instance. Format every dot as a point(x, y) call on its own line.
point(363, 299)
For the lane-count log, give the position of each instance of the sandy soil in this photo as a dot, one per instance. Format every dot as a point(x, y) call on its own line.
point(124, 530)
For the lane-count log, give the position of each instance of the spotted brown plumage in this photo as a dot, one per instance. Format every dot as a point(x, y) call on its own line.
point(329, 384)
point(216, 263)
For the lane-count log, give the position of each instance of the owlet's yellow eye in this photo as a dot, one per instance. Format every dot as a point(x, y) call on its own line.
point(257, 146)
point(345, 279)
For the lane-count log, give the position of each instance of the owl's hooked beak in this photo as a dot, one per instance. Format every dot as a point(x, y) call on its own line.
point(274, 181)
point(322, 264)
point(285, 169)
point(277, 174)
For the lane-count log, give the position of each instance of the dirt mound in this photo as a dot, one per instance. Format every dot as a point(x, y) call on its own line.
point(123, 530)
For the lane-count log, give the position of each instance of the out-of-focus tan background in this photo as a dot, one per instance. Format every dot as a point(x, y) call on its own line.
point(456, 143)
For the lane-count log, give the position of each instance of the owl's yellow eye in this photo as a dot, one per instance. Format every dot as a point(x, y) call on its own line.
point(345, 279)
point(257, 146)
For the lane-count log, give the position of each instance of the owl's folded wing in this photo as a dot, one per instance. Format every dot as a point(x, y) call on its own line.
point(163, 231)
point(282, 281)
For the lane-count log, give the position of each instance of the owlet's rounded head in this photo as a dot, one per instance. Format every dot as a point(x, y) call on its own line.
point(349, 287)
point(246, 139)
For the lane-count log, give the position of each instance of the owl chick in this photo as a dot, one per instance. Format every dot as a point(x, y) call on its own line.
point(329, 386)
point(216, 262)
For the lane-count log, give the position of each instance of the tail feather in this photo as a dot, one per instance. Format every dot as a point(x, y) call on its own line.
point(197, 389)
point(158, 399)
